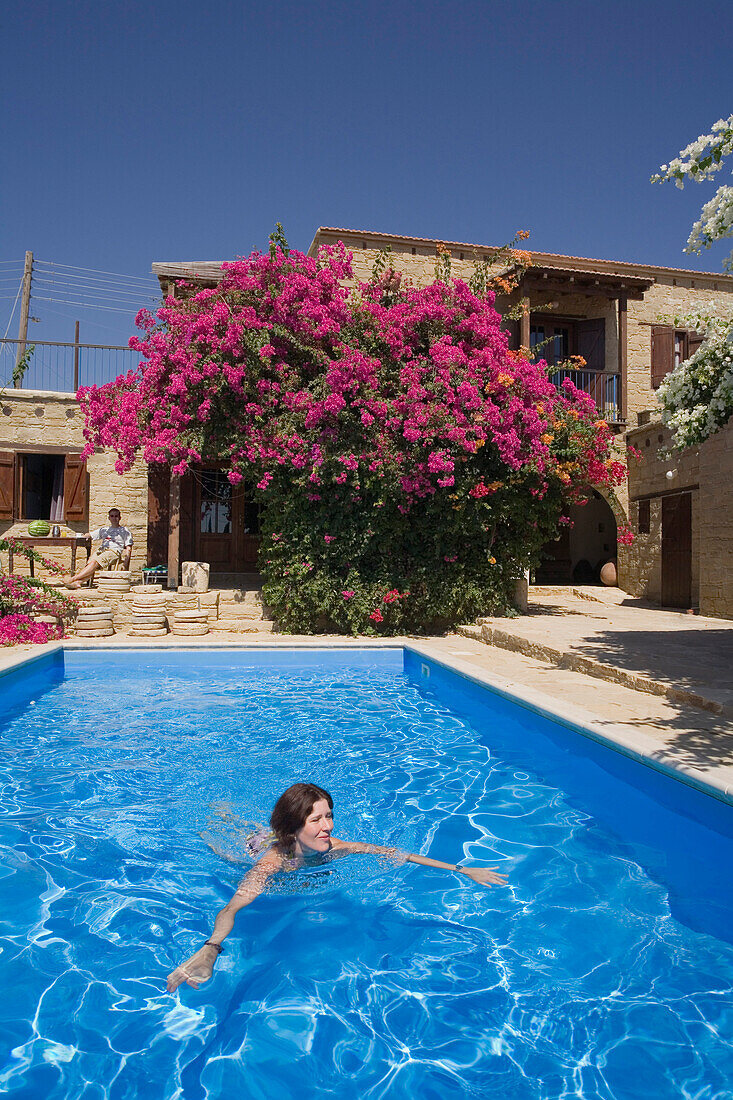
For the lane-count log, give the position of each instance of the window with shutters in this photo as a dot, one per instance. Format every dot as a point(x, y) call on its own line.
point(670, 347)
point(43, 486)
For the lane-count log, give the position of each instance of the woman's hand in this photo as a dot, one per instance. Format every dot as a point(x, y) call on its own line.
point(486, 876)
point(193, 971)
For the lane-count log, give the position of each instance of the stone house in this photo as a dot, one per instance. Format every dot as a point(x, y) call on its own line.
point(42, 474)
point(613, 315)
point(610, 313)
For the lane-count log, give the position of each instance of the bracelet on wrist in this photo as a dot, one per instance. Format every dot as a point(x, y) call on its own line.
point(210, 943)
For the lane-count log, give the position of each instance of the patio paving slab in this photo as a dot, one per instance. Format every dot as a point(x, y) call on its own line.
point(610, 636)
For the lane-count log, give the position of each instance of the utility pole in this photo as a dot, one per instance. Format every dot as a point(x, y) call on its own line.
point(25, 305)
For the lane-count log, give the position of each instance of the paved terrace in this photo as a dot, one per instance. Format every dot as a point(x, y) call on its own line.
point(611, 636)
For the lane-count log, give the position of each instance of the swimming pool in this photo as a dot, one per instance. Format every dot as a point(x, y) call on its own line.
point(604, 970)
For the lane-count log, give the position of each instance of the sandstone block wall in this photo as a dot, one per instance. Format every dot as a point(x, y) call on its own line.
point(716, 517)
point(707, 473)
point(38, 422)
point(670, 296)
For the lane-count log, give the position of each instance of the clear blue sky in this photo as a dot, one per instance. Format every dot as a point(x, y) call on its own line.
point(136, 132)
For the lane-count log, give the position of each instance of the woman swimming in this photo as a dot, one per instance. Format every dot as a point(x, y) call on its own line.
point(302, 824)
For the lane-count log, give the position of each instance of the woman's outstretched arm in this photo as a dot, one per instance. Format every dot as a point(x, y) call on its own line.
point(200, 966)
point(487, 876)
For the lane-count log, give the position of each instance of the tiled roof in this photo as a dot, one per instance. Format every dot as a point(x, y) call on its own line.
point(550, 259)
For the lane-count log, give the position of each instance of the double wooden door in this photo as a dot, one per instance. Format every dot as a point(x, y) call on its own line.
point(226, 523)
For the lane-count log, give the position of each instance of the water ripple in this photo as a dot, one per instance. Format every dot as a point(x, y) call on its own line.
point(584, 978)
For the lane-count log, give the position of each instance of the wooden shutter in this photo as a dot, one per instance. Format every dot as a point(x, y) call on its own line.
point(7, 485)
point(591, 340)
point(662, 353)
point(75, 489)
point(694, 339)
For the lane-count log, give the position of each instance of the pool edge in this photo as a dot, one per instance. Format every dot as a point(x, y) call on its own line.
point(614, 736)
point(12, 662)
point(629, 743)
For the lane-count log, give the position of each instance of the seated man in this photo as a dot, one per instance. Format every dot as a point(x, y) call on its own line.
point(115, 549)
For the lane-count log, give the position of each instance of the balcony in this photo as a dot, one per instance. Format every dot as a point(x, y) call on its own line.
point(602, 385)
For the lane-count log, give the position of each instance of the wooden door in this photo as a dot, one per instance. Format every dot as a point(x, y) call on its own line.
point(677, 550)
point(226, 522)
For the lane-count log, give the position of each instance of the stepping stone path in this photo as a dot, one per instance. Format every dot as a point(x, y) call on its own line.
point(148, 611)
point(94, 622)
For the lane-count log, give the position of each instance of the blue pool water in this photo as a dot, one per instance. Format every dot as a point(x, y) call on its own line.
point(603, 970)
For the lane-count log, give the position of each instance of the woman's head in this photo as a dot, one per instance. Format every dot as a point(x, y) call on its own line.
point(302, 817)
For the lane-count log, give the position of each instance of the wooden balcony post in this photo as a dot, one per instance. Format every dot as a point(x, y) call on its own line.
point(174, 530)
point(524, 324)
point(622, 353)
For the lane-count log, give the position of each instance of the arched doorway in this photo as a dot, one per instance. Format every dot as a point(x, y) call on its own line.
point(582, 547)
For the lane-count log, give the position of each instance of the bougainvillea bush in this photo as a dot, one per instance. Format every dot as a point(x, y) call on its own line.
point(22, 599)
point(409, 465)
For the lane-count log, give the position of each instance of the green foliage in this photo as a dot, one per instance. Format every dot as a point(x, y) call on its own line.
point(278, 240)
point(22, 365)
point(380, 263)
point(325, 569)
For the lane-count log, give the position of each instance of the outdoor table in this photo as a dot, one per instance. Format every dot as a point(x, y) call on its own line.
point(48, 540)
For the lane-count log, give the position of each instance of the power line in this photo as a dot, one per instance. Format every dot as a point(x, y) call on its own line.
point(12, 312)
point(93, 271)
point(83, 292)
point(94, 324)
point(91, 280)
point(83, 305)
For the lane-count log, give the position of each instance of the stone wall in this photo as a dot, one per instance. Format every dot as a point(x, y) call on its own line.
point(671, 295)
point(37, 422)
point(648, 480)
point(716, 517)
point(707, 473)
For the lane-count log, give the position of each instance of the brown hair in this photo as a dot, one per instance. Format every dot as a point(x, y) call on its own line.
point(292, 808)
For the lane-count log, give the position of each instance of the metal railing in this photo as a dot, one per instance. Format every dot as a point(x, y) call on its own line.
point(603, 386)
point(63, 367)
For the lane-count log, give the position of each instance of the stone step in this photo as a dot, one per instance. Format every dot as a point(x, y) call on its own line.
point(243, 626)
point(470, 630)
point(240, 612)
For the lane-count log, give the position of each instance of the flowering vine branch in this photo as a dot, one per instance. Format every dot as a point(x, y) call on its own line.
point(699, 162)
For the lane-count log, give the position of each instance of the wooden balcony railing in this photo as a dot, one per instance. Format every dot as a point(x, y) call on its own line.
point(602, 385)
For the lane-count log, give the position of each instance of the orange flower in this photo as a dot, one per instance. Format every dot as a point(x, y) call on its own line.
point(505, 379)
point(547, 438)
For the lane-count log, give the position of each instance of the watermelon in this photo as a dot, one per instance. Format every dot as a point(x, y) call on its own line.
point(39, 528)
